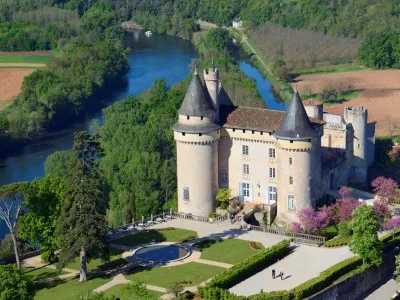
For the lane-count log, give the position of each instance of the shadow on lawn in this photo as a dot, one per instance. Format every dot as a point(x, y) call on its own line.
point(142, 237)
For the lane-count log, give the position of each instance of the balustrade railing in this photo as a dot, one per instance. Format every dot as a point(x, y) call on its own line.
point(297, 237)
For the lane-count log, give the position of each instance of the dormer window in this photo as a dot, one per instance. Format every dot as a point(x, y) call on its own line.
point(291, 141)
point(244, 131)
point(201, 118)
point(187, 117)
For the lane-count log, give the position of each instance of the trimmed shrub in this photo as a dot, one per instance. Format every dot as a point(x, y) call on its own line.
point(216, 293)
point(250, 266)
point(338, 241)
point(345, 229)
point(275, 295)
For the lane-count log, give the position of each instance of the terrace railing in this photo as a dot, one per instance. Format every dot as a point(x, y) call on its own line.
point(21, 257)
point(200, 218)
point(296, 237)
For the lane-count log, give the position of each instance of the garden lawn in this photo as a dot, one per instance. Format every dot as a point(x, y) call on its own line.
point(69, 289)
point(116, 260)
point(117, 293)
point(34, 59)
point(230, 251)
point(156, 236)
point(188, 274)
point(42, 273)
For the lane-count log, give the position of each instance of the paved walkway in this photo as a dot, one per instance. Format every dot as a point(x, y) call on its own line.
point(304, 263)
point(385, 291)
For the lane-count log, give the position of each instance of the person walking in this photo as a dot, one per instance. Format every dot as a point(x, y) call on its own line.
point(281, 275)
point(273, 273)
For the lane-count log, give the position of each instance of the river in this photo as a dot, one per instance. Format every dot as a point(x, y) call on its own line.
point(158, 56)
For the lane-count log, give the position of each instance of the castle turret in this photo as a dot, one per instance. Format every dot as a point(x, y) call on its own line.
point(299, 159)
point(196, 135)
point(358, 117)
point(211, 79)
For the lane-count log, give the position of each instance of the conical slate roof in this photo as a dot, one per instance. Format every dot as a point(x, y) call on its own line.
point(295, 124)
point(196, 103)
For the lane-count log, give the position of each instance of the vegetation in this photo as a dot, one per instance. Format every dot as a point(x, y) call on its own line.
point(381, 49)
point(7, 253)
point(338, 241)
point(175, 289)
point(82, 223)
point(114, 261)
point(41, 273)
point(133, 290)
point(34, 59)
point(230, 251)
point(365, 240)
point(250, 266)
point(156, 236)
point(14, 284)
point(187, 274)
point(11, 201)
point(43, 206)
point(397, 270)
point(223, 197)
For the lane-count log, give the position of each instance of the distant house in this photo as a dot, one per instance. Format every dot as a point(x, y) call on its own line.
point(236, 23)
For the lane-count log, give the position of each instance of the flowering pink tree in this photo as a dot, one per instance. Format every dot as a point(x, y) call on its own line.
point(345, 208)
point(345, 192)
point(311, 221)
point(381, 209)
point(296, 227)
point(392, 224)
point(385, 188)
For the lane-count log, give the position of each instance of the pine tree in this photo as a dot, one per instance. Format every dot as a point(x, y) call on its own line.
point(365, 240)
point(397, 271)
point(83, 223)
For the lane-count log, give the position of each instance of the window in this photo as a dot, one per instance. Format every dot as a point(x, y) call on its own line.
point(200, 134)
point(290, 161)
point(224, 176)
point(233, 129)
point(291, 205)
point(290, 180)
point(272, 194)
point(187, 117)
point(183, 133)
point(186, 193)
point(245, 150)
point(261, 132)
point(244, 131)
point(252, 131)
point(271, 172)
point(271, 152)
point(291, 141)
point(201, 118)
point(246, 169)
point(246, 189)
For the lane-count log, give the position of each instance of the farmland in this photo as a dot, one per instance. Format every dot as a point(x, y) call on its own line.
point(379, 91)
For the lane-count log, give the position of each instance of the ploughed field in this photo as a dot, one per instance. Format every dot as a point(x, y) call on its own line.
point(14, 66)
point(379, 91)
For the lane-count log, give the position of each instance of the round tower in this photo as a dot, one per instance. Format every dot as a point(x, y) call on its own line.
point(211, 79)
point(196, 135)
point(299, 161)
point(358, 117)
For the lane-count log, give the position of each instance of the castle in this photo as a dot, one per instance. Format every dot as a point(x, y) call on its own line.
point(285, 160)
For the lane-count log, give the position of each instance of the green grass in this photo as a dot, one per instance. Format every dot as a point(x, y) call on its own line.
point(230, 251)
point(34, 59)
point(157, 236)
point(116, 291)
point(20, 68)
point(69, 289)
point(116, 260)
point(326, 69)
point(188, 274)
point(345, 96)
point(42, 273)
point(338, 241)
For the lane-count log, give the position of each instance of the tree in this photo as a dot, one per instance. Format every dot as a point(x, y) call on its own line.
point(14, 284)
point(381, 209)
point(394, 154)
point(312, 221)
point(57, 163)
point(224, 195)
point(175, 289)
point(345, 208)
point(385, 188)
point(11, 200)
point(345, 192)
point(83, 223)
point(392, 224)
point(365, 240)
point(43, 205)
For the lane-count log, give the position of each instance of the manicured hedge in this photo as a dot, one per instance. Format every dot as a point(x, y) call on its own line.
point(250, 266)
point(325, 278)
point(275, 295)
point(338, 241)
point(216, 293)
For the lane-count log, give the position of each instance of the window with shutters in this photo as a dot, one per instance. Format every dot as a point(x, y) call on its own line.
point(291, 205)
point(272, 194)
point(272, 173)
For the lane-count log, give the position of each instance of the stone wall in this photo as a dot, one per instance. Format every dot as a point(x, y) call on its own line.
point(361, 285)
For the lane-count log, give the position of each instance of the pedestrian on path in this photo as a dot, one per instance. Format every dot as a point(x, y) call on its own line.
point(273, 274)
point(280, 275)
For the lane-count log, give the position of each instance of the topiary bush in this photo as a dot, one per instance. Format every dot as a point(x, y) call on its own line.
point(250, 266)
point(345, 229)
point(275, 295)
point(216, 293)
point(338, 241)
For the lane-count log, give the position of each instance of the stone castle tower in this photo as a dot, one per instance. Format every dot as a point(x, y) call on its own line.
point(299, 159)
point(358, 117)
point(196, 134)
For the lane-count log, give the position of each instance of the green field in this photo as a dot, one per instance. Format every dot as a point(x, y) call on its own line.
point(188, 274)
point(34, 59)
point(327, 69)
point(230, 251)
point(116, 291)
point(42, 273)
point(116, 260)
point(156, 236)
point(345, 96)
point(69, 289)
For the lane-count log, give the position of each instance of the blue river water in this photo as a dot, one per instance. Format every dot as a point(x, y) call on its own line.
point(158, 56)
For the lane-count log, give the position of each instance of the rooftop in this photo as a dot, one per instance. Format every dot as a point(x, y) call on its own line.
point(259, 119)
